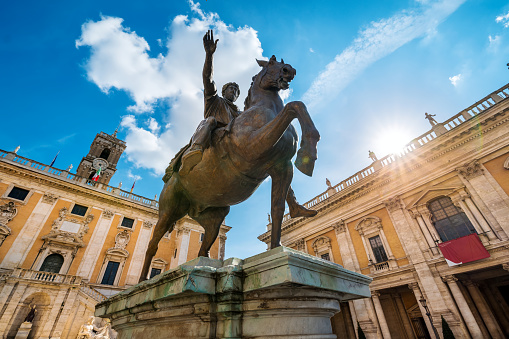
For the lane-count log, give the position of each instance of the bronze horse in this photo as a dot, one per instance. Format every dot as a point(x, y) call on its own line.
point(261, 142)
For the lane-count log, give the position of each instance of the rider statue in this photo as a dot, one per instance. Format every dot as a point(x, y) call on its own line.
point(218, 112)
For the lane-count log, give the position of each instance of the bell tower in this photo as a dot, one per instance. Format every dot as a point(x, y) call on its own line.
point(104, 153)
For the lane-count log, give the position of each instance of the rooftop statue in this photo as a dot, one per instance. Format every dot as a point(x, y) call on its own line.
point(233, 152)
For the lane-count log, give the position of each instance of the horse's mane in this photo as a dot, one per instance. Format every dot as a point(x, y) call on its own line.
point(247, 101)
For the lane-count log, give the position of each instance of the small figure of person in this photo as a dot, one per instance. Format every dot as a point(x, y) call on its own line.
point(31, 314)
point(372, 155)
point(16, 149)
point(430, 118)
point(327, 182)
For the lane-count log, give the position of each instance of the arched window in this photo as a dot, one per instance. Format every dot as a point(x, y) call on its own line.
point(105, 154)
point(448, 220)
point(53, 263)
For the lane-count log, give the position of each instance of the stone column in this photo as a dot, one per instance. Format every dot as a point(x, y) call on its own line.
point(64, 315)
point(468, 316)
point(375, 295)
point(474, 174)
point(17, 296)
point(473, 214)
point(53, 314)
point(403, 314)
point(28, 233)
point(426, 217)
point(222, 243)
point(95, 245)
point(484, 310)
point(422, 225)
point(418, 294)
point(133, 274)
point(6, 292)
point(184, 244)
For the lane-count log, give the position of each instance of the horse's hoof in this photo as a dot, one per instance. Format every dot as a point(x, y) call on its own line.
point(301, 211)
point(305, 162)
point(189, 160)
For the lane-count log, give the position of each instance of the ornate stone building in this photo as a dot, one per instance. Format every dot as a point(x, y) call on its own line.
point(68, 242)
point(446, 194)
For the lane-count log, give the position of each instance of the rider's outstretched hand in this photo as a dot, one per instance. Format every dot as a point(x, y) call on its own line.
point(208, 42)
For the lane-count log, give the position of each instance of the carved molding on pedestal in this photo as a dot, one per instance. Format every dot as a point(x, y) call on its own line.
point(470, 170)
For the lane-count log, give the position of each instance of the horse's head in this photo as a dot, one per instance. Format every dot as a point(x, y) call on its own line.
point(275, 75)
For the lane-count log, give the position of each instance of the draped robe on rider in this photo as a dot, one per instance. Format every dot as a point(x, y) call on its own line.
point(223, 110)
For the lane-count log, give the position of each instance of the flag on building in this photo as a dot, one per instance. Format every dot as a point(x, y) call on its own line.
point(132, 188)
point(97, 174)
point(55, 158)
point(462, 250)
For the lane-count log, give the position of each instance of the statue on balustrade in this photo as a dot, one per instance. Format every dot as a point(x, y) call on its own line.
point(430, 118)
point(232, 153)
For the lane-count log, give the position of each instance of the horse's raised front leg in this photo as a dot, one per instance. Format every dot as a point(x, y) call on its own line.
point(281, 175)
point(269, 134)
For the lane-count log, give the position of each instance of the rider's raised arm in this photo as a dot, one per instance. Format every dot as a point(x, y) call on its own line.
point(210, 47)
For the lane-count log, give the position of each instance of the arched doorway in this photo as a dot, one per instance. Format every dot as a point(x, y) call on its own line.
point(42, 304)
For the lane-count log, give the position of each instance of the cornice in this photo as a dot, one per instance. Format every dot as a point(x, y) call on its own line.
point(68, 187)
point(341, 198)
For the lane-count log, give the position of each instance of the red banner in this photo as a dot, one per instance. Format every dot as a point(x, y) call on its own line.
point(462, 250)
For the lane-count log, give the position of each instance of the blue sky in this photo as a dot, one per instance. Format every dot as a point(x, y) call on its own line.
point(368, 70)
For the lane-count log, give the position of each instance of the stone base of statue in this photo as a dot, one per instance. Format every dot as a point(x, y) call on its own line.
point(24, 330)
point(282, 293)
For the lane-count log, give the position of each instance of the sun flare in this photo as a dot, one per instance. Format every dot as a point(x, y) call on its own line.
point(392, 140)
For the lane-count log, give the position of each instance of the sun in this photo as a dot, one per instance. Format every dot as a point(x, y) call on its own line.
point(391, 140)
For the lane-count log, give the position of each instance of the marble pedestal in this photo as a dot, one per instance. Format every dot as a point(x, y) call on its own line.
point(24, 330)
point(282, 293)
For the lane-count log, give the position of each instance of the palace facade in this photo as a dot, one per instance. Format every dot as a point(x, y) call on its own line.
point(68, 242)
point(429, 225)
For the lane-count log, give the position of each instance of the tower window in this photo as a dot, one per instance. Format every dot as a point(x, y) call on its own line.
point(378, 249)
point(79, 210)
point(127, 222)
point(18, 193)
point(105, 154)
point(448, 220)
point(175, 254)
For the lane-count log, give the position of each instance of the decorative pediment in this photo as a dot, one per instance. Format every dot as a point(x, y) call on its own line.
point(117, 252)
point(432, 193)
point(122, 239)
point(368, 225)
point(321, 243)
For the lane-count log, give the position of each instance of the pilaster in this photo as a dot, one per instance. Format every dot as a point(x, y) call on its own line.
point(136, 265)
point(375, 296)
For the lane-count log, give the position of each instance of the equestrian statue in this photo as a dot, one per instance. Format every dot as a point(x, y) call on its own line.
point(232, 153)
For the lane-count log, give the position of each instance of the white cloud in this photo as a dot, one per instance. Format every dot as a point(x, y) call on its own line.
point(504, 19)
point(378, 40)
point(311, 50)
point(454, 79)
point(121, 59)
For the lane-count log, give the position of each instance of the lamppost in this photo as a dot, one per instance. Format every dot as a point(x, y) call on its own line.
point(426, 308)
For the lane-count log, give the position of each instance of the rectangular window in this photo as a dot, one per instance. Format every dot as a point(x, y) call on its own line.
point(110, 273)
point(201, 236)
point(175, 254)
point(18, 193)
point(154, 272)
point(79, 210)
point(325, 256)
point(127, 222)
point(378, 249)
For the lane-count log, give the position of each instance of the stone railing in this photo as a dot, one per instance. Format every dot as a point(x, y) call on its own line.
point(75, 179)
point(96, 295)
point(48, 277)
point(477, 108)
